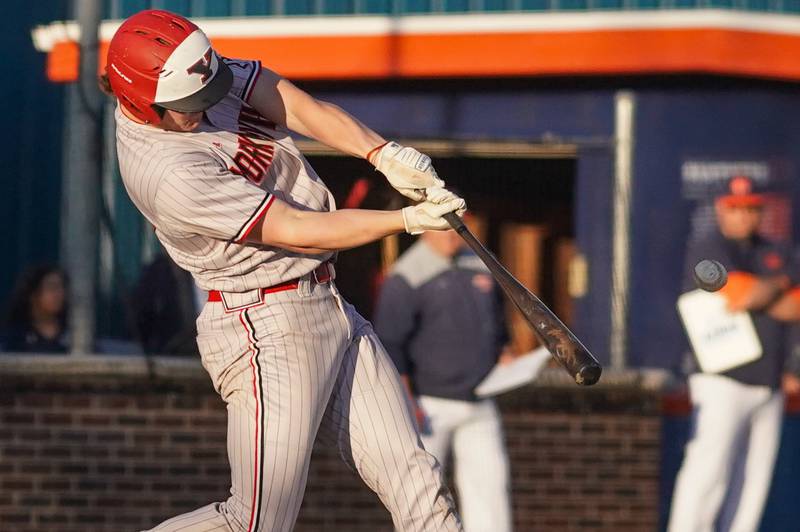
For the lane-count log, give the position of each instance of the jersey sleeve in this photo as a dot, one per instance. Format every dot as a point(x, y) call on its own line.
point(203, 198)
point(245, 75)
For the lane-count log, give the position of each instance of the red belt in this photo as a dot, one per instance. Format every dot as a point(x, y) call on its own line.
point(320, 275)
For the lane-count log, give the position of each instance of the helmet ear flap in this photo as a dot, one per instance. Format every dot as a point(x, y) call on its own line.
point(131, 105)
point(149, 114)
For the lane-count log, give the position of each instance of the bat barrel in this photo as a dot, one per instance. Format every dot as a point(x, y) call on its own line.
point(588, 375)
point(551, 332)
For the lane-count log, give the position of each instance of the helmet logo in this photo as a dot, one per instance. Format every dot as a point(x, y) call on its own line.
point(202, 67)
point(120, 74)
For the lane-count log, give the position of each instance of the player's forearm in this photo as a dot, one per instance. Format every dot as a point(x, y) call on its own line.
point(745, 291)
point(346, 228)
point(787, 307)
point(312, 232)
point(763, 293)
point(334, 127)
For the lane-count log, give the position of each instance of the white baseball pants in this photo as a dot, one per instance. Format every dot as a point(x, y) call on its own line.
point(474, 433)
point(304, 362)
point(727, 468)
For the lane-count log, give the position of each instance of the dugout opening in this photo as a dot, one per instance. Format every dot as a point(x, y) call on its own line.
point(521, 195)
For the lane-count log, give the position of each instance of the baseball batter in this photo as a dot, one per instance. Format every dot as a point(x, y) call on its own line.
point(205, 155)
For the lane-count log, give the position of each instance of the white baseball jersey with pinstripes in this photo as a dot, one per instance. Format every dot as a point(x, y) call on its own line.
point(290, 365)
point(204, 191)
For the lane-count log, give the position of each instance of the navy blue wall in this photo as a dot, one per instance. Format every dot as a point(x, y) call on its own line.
point(30, 157)
point(585, 116)
point(675, 121)
point(741, 123)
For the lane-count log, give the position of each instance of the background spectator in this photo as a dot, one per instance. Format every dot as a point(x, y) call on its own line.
point(166, 303)
point(440, 317)
point(728, 462)
point(37, 312)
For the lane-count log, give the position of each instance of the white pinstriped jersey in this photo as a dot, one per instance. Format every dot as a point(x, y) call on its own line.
point(204, 191)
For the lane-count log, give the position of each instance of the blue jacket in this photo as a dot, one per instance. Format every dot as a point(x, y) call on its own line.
point(441, 321)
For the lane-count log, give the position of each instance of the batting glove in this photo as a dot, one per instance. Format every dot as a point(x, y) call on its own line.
point(427, 216)
point(407, 170)
point(442, 195)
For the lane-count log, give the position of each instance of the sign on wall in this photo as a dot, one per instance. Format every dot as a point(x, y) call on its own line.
point(702, 180)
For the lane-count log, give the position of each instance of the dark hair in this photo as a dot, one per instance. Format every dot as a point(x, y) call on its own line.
point(19, 308)
point(104, 84)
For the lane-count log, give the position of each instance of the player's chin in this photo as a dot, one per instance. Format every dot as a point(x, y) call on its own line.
point(181, 122)
point(190, 122)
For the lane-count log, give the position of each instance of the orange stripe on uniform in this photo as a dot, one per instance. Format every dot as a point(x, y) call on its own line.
point(794, 293)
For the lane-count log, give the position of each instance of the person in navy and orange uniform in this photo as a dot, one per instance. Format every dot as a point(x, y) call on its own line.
point(727, 468)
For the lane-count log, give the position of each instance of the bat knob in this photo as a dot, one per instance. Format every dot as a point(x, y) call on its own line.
point(588, 375)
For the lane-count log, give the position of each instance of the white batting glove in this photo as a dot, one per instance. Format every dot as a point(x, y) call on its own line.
point(427, 216)
point(442, 195)
point(408, 171)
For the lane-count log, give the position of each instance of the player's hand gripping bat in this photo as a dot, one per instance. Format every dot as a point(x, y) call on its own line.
point(552, 333)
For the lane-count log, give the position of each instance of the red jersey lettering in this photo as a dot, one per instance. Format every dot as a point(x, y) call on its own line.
point(256, 148)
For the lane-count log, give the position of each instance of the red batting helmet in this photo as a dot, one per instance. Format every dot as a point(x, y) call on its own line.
point(160, 59)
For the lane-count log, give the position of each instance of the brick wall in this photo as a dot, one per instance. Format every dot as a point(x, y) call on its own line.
point(114, 445)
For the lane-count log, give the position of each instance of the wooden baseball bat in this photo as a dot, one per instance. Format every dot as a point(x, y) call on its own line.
point(552, 333)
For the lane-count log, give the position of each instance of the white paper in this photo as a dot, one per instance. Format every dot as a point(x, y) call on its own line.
point(506, 377)
point(721, 340)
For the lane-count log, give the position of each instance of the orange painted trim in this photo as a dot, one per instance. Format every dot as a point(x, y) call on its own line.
point(607, 52)
point(62, 62)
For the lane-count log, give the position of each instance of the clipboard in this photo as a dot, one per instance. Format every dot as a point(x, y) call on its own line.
point(520, 372)
point(721, 339)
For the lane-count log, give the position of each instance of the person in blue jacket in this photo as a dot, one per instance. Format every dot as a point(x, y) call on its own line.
point(440, 317)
